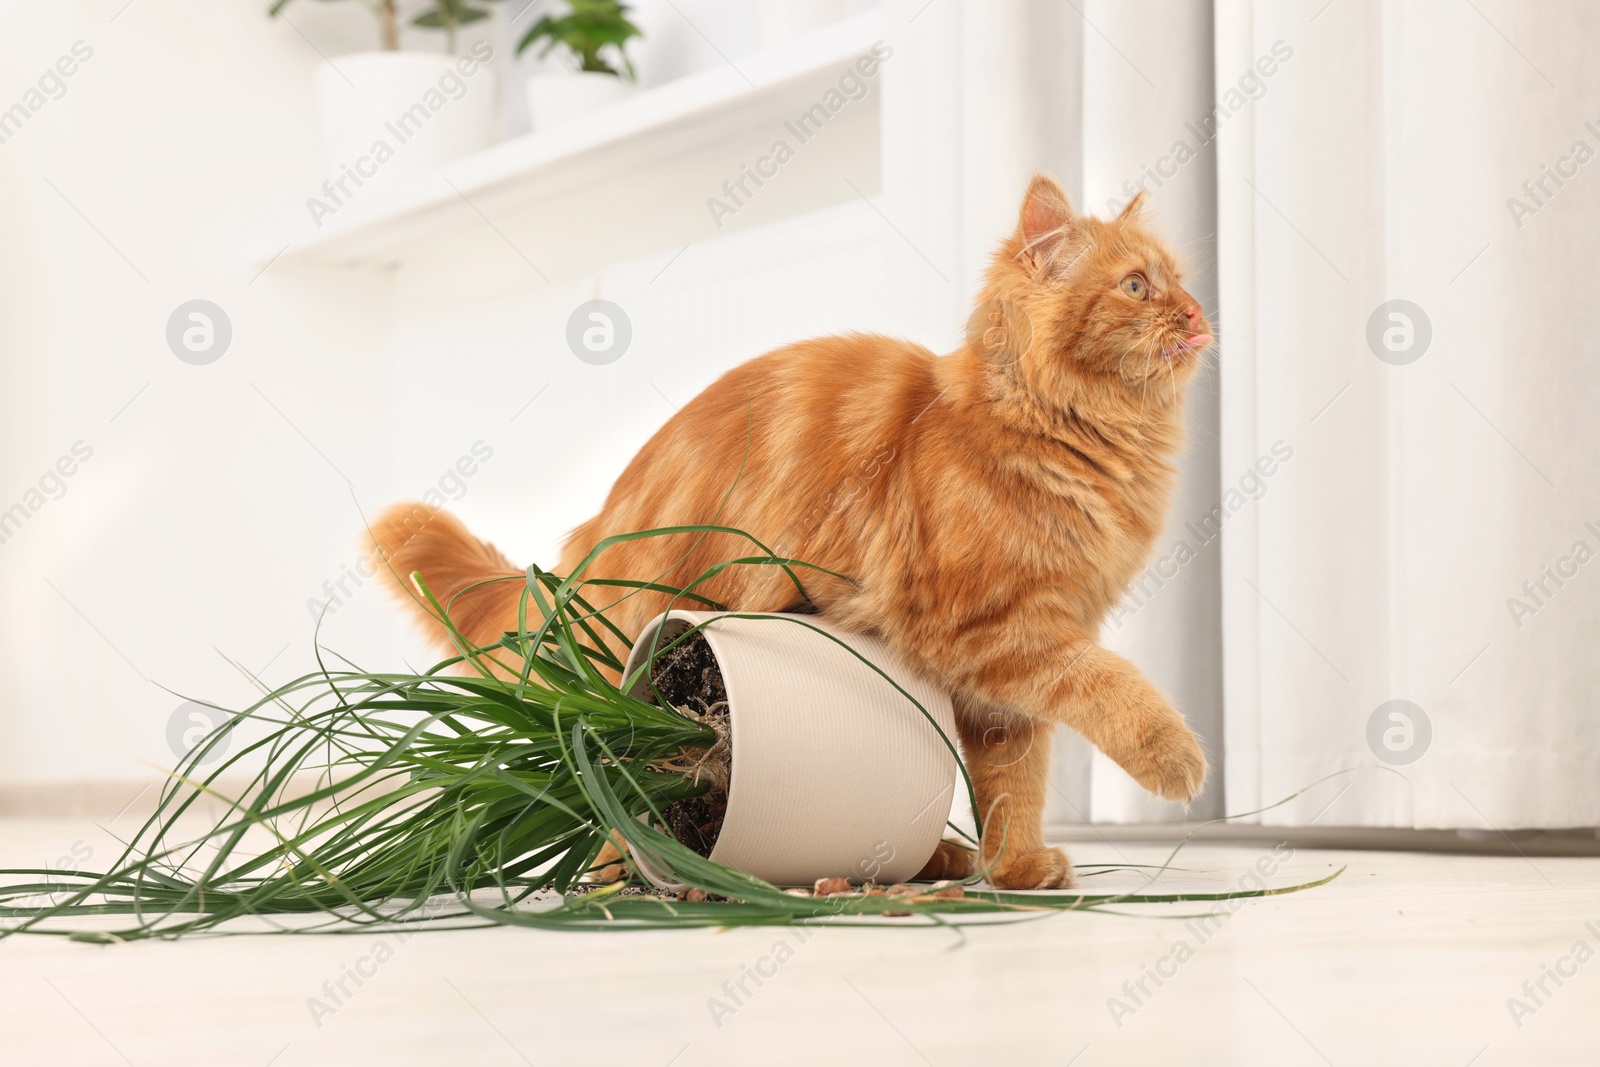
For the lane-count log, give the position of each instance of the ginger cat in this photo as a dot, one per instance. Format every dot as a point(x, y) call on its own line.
point(992, 504)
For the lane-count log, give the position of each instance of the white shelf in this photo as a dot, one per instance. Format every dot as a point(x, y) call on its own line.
point(634, 178)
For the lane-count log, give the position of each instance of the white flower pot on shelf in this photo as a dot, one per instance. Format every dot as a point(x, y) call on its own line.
point(559, 97)
point(424, 110)
point(834, 772)
point(781, 21)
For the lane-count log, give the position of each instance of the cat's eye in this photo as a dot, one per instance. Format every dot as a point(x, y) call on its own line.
point(1135, 286)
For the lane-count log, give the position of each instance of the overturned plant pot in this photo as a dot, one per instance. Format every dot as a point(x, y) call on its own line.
point(833, 772)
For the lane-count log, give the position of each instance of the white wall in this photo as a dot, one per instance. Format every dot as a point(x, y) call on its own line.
point(220, 498)
point(130, 195)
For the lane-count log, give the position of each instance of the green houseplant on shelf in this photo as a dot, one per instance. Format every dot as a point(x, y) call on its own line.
point(446, 15)
point(592, 38)
point(424, 108)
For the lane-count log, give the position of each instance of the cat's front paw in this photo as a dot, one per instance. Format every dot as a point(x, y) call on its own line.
point(1170, 763)
point(951, 860)
point(608, 865)
point(1042, 868)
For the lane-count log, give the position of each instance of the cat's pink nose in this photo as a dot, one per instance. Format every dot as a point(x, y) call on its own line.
point(1195, 318)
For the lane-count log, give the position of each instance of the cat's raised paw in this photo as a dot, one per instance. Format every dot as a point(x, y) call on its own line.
point(1044, 868)
point(1172, 764)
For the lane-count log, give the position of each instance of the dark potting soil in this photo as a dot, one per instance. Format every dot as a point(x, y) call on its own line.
point(690, 680)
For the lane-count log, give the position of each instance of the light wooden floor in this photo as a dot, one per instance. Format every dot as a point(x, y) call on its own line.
point(1405, 959)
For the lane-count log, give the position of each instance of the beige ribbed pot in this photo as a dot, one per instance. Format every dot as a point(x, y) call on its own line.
point(835, 773)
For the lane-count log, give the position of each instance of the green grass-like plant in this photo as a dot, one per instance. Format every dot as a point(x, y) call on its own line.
point(446, 800)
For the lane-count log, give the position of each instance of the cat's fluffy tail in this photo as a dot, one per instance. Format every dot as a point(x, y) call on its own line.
point(417, 538)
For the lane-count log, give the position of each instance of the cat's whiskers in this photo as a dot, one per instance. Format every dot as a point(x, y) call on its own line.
point(1153, 346)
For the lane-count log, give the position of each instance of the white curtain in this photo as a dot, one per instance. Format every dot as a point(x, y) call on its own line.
point(1389, 482)
point(1386, 162)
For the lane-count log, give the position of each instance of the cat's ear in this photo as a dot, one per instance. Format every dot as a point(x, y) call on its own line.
point(1046, 220)
point(1134, 212)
